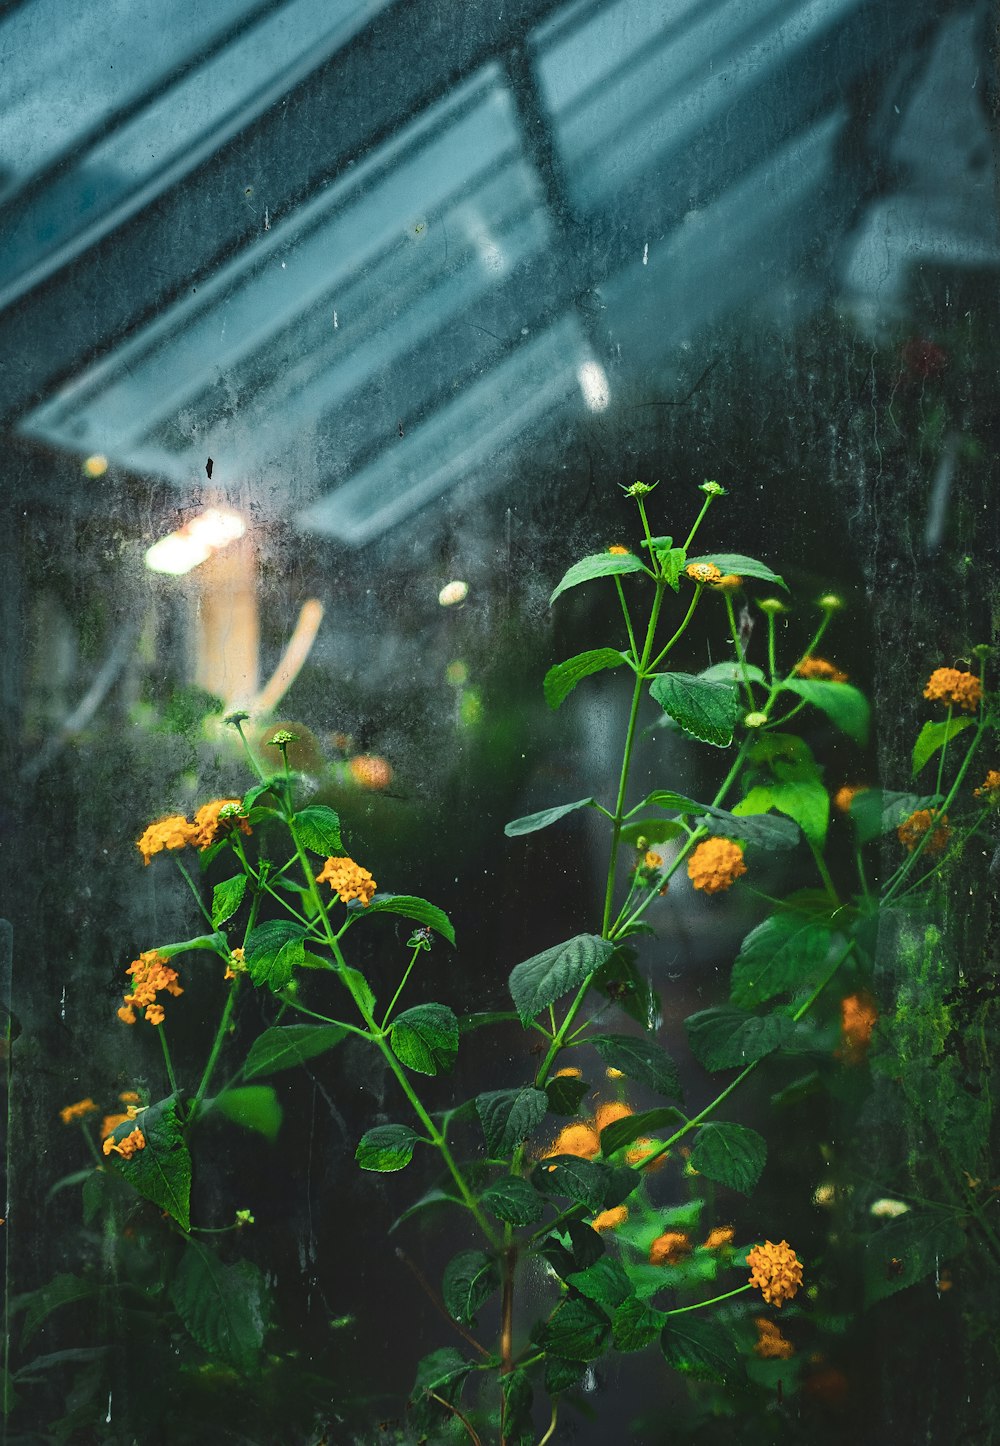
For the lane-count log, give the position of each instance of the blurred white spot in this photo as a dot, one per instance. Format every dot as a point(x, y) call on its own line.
point(888, 1209)
point(452, 593)
point(95, 466)
point(645, 254)
point(594, 385)
point(195, 542)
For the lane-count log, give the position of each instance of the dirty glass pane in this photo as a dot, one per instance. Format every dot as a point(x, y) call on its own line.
point(500, 767)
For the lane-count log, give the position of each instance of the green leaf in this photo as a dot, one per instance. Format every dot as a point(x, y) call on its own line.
point(273, 785)
point(623, 1132)
point(572, 1246)
point(532, 822)
point(604, 1282)
point(318, 828)
point(598, 564)
point(560, 1374)
point(287, 1045)
point(227, 897)
point(428, 1201)
point(518, 1396)
point(565, 1093)
point(224, 1307)
point(214, 942)
point(576, 1331)
point(386, 1148)
point(425, 1038)
point(672, 561)
point(730, 1038)
point(845, 706)
point(272, 952)
point(563, 678)
point(470, 1278)
point(705, 710)
point(732, 673)
point(440, 1368)
point(730, 1155)
point(735, 562)
point(162, 1170)
point(592, 1183)
point(653, 830)
point(635, 1324)
point(876, 811)
point(411, 908)
point(803, 799)
point(39, 1304)
point(360, 985)
point(777, 957)
point(469, 1022)
point(255, 1107)
point(699, 1348)
point(513, 1201)
point(908, 1250)
point(546, 977)
point(933, 736)
point(621, 980)
point(640, 1059)
point(510, 1116)
point(762, 830)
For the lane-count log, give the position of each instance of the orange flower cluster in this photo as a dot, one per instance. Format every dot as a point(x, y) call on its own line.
point(348, 880)
point(703, 572)
point(150, 975)
point(370, 771)
point(610, 1219)
point(715, 864)
point(578, 1139)
point(952, 686)
point(989, 789)
point(729, 582)
point(719, 1236)
point(913, 829)
point(79, 1111)
point(845, 796)
point(110, 1123)
point(617, 550)
point(175, 832)
point(771, 1344)
point(821, 669)
point(127, 1147)
point(775, 1270)
point(669, 1248)
point(858, 1017)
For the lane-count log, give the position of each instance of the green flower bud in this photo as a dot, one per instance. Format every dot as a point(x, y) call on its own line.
point(772, 605)
point(755, 720)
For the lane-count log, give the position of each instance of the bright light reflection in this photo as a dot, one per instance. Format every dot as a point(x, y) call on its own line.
point(195, 542)
point(594, 385)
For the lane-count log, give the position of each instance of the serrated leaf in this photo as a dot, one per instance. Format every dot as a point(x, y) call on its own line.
point(318, 828)
point(532, 822)
point(287, 1045)
point(908, 1250)
point(411, 908)
point(735, 562)
point(730, 1038)
point(633, 1127)
point(604, 1282)
point(636, 1325)
point(592, 1183)
point(730, 1155)
point(699, 1348)
point(576, 1331)
point(707, 711)
point(470, 1278)
point(546, 977)
point(845, 706)
point(358, 982)
point(563, 678)
point(599, 564)
point(386, 1148)
point(510, 1116)
point(255, 1107)
point(227, 897)
point(777, 957)
point(762, 830)
point(425, 1038)
point(39, 1304)
point(440, 1368)
point(573, 1246)
point(224, 1307)
point(272, 952)
point(272, 785)
point(564, 1094)
point(640, 1059)
point(513, 1201)
point(561, 1374)
point(933, 736)
point(518, 1395)
point(162, 1170)
point(672, 561)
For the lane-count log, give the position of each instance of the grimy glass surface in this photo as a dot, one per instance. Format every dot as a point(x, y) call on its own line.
point(334, 334)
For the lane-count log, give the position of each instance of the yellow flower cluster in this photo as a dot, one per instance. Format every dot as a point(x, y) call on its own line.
point(718, 1237)
point(669, 1248)
point(912, 830)
point(989, 789)
point(127, 1147)
point(577, 1139)
point(775, 1270)
point(715, 864)
point(703, 572)
point(175, 832)
point(819, 668)
point(771, 1344)
point(610, 1219)
point(952, 686)
point(79, 1111)
point(617, 550)
point(846, 795)
point(348, 880)
point(150, 975)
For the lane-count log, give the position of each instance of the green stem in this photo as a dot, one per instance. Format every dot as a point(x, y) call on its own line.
point(324, 1018)
point(406, 975)
point(227, 1014)
point(944, 750)
point(197, 896)
point(167, 1060)
point(701, 1304)
point(628, 619)
point(740, 657)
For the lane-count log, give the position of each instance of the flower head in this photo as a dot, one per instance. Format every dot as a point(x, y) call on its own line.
point(775, 1270)
point(728, 582)
point(755, 720)
point(719, 1236)
point(617, 550)
point(150, 975)
point(579, 1139)
point(989, 789)
point(218, 816)
point(950, 685)
point(643, 1154)
point(702, 572)
point(712, 489)
point(772, 606)
point(126, 1147)
point(819, 668)
point(913, 829)
point(610, 1219)
point(715, 864)
point(858, 1017)
point(110, 1123)
point(348, 880)
point(638, 489)
point(173, 832)
point(282, 739)
point(771, 1344)
point(846, 795)
point(607, 1114)
point(368, 770)
point(79, 1111)
point(669, 1248)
